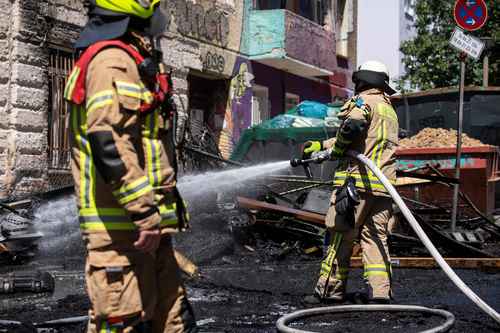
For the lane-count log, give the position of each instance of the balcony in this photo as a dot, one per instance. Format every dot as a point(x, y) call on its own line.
point(289, 42)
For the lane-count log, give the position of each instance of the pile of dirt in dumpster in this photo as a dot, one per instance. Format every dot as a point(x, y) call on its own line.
point(438, 138)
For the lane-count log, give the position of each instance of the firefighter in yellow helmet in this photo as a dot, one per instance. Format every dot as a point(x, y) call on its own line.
point(360, 206)
point(123, 162)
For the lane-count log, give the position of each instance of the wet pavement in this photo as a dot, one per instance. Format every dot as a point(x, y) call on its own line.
point(243, 298)
point(247, 290)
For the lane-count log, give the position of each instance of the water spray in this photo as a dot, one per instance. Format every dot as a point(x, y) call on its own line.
point(201, 185)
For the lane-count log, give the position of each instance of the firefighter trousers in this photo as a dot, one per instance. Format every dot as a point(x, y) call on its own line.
point(135, 292)
point(372, 218)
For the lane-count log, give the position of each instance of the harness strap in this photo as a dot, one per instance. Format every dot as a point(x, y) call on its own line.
point(75, 89)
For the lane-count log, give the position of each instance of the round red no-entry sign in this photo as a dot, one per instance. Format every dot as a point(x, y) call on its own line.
point(470, 15)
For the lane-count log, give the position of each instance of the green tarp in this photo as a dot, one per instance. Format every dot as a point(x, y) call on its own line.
point(263, 142)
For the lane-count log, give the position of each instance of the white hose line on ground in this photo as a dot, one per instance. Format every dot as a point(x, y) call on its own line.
point(423, 237)
point(281, 324)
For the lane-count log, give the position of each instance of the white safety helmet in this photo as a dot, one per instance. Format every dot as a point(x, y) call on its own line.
point(372, 74)
point(374, 66)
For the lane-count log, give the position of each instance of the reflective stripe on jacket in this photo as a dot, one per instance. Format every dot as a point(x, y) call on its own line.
point(378, 141)
point(139, 145)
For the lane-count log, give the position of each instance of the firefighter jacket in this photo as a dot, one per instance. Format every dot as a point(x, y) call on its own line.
point(369, 126)
point(122, 159)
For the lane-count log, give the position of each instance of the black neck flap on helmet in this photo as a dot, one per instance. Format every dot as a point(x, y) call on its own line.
point(107, 25)
point(364, 80)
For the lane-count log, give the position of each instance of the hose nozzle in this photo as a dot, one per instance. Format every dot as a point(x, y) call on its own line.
point(295, 162)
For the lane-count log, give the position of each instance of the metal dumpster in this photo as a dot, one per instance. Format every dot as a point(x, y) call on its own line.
point(479, 174)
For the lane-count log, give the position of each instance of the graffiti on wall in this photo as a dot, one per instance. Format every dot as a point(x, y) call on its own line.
point(214, 62)
point(192, 19)
point(241, 82)
point(240, 97)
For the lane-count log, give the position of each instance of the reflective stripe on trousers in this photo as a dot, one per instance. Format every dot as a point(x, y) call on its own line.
point(327, 263)
point(377, 270)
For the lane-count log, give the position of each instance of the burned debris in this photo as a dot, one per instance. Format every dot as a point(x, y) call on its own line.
point(18, 237)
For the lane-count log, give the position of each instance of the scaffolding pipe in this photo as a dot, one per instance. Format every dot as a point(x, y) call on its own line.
point(423, 237)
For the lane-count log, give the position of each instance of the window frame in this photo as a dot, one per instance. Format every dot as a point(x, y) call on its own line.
point(263, 116)
point(60, 63)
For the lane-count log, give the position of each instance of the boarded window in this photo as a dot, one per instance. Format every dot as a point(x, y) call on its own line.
point(60, 64)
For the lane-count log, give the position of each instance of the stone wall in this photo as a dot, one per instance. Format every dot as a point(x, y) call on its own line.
point(26, 29)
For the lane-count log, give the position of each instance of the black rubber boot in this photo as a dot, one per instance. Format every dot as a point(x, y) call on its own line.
point(316, 299)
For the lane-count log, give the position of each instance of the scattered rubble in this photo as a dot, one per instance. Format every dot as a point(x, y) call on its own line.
point(438, 138)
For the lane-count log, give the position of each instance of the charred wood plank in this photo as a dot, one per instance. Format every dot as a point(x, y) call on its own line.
point(314, 218)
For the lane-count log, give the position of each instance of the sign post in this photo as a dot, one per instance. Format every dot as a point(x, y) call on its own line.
point(456, 187)
point(469, 15)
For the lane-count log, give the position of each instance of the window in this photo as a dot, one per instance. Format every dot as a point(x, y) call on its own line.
point(60, 64)
point(313, 10)
point(260, 104)
point(291, 101)
point(339, 10)
point(319, 12)
point(270, 4)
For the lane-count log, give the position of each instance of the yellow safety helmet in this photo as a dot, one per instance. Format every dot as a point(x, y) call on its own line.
point(143, 9)
point(110, 19)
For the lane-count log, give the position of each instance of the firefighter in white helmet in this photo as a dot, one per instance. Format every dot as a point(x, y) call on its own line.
point(360, 206)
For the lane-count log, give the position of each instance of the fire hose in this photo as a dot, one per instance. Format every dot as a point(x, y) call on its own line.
point(444, 327)
point(323, 156)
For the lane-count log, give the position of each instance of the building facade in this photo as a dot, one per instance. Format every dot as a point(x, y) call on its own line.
point(234, 64)
point(35, 56)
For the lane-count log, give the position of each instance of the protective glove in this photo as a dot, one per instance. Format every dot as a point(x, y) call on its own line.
point(312, 147)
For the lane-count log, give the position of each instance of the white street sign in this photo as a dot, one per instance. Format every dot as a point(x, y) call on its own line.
point(472, 46)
